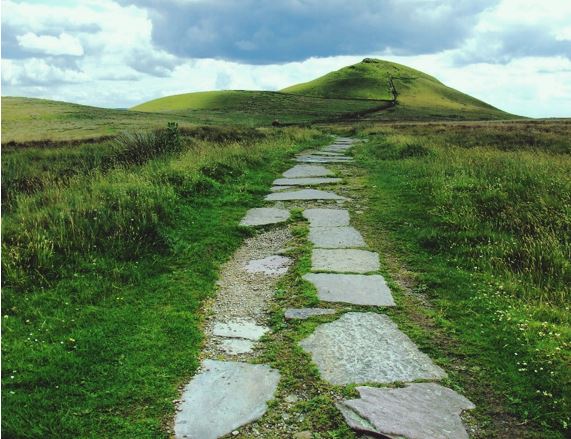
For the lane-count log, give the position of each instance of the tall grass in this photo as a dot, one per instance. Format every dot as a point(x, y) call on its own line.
point(508, 210)
point(118, 209)
point(481, 214)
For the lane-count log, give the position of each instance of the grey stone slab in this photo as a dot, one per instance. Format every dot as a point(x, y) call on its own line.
point(271, 266)
point(239, 328)
point(304, 194)
point(306, 313)
point(344, 260)
point(367, 348)
point(280, 188)
point(327, 217)
point(335, 237)
point(322, 160)
point(300, 171)
point(417, 411)
point(236, 346)
point(331, 154)
point(357, 289)
point(325, 156)
point(223, 397)
point(265, 215)
point(305, 181)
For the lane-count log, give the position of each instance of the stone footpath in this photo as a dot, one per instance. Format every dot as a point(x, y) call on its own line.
point(357, 348)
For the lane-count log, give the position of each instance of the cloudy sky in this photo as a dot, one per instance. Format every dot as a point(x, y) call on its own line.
point(514, 54)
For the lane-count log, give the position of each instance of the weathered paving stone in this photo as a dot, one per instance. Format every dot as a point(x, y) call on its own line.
point(301, 171)
point(304, 194)
point(306, 313)
point(308, 181)
point(236, 346)
point(335, 237)
point(327, 217)
point(417, 411)
point(265, 215)
point(344, 260)
point(280, 188)
point(325, 156)
point(331, 154)
point(367, 347)
point(271, 266)
point(224, 397)
point(357, 289)
point(239, 328)
point(323, 160)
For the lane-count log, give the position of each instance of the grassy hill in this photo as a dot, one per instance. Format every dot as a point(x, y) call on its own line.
point(256, 107)
point(364, 91)
point(35, 120)
point(418, 95)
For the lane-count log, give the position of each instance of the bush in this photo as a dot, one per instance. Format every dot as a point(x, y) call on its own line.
point(140, 146)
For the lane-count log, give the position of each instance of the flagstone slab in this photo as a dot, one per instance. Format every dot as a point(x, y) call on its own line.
point(236, 346)
point(323, 152)
point(264, 216)
point(280, 188)
point(327, 217)
point(344, 260)
point(304, 194)
point(240, 328)
point(417, 411)
point(305, 181)
point(306, 313)
point(335, 237)
point(362, 348)
point(300, 171)
point(271, 266)
point(323, 160)
point(357, 289)
point(223, 397)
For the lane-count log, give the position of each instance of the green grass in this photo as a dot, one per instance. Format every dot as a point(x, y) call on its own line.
point(478, 221)
point(103, 278)
point(255, 107)
point(26, 120)
point(418, 95)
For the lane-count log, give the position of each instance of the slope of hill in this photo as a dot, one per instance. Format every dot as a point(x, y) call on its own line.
point(41, 120)
point(418, 95)
point(256, 107)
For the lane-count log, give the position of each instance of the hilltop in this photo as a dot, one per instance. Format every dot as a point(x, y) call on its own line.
point(370, 90)
point(416, 94)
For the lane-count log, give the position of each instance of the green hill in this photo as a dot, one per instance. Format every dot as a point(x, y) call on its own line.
point(31, 120)
point(256, 107)
point(418, 95)
point(364, 91)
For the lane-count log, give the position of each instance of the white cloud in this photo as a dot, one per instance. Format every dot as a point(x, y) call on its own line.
point(64, 44)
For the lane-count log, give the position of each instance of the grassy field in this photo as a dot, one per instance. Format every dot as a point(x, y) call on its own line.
point(42, 121)
point(475, 222)
point(90, 263)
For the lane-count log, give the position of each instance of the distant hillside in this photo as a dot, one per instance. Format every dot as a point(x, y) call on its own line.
point(418, 95)
point(370, 90)
point(256, 107)
point(30, 119)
